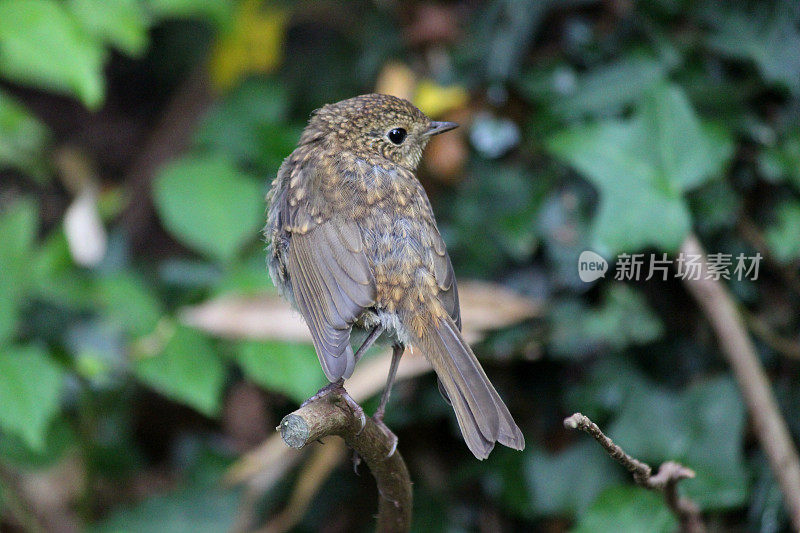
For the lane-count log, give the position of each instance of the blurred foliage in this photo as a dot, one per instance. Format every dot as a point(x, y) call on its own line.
point(610, 126)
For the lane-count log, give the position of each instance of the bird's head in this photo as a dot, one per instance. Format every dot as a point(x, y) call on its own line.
point(376, 125)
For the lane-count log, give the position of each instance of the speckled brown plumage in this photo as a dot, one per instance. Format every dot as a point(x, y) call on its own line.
point(352, 241)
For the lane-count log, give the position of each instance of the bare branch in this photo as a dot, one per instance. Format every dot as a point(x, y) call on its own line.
point(773, 434)
point(329, 416)
point(665, 481)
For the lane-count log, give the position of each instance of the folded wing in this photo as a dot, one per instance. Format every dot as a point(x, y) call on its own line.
point(333, 285)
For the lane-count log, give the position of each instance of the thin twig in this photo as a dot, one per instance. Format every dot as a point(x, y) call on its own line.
point(665, 481)
point(718, 306)
point(326, 416)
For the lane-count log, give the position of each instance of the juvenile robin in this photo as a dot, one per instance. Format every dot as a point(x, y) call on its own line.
point(352, 242)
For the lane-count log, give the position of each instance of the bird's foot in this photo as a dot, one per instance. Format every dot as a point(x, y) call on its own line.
point(324, 391)
point(337, 388)
point(378, 419)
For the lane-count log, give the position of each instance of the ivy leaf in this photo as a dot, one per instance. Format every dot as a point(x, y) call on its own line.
point(702, 428)
point(770, 38)
point(251, 125)
point(782, 237)
point(642, 167)
point(219, 12)
point(18, 227)
point(42, 45)
point(129, 302)
point(603, 91)
point(287, 367)
point(121, 23)
point(207, 204)
point(30, 384)
point(198, 509)
point(23, 139)
point(627, 508)
point(538, 483)
point(782, 161)
point(623, 319)
point(187, 370)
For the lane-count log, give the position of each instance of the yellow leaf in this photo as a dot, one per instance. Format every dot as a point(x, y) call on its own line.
point(435, 100)
point(396, 79)
point(254, 44)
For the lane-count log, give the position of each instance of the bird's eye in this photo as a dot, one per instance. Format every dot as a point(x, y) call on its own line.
point(397, 135)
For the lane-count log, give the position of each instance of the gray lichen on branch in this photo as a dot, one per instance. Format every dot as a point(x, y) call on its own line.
point(330, 415)
point(665, 481)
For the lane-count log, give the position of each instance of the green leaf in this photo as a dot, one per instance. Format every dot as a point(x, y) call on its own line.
point(642, 167)
point(197, 509)
point(56, 279)
point(42, 45)
point(627, 508)
point(623, 319)
point(121, 23)
point(209, 205)
point(187, 370)
point(286, 367)
point(219, 12)
point(782, 162)
point(715, 206)
point(59, 439)
point(703, 428)
point(245, 277)
point(18, 227)
point(30, 385)
point(782, 237)
point(129, 302)
point(250, 123)
point(567, 482)
point(537, 483)
point(23, 140)
point(492, 222)
point(603, 91)
point(769, 37)
point(606, 388)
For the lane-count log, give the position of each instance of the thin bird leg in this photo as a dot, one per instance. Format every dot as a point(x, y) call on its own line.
point(397, 352)
point(368, 342)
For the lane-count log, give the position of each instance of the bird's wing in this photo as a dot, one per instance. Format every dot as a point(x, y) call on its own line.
point(446, 279)
point(332, 285)
point(442, 267)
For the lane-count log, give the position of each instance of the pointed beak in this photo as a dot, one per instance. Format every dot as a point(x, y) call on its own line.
point(440, 127)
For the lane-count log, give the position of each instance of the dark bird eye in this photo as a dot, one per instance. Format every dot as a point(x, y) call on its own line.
point(397, 135)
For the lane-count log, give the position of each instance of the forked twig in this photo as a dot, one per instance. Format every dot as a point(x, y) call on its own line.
point(665, 481)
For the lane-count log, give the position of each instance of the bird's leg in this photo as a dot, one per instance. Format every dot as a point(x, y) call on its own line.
point(337, 387)
point(368, 342)
point(397, 352)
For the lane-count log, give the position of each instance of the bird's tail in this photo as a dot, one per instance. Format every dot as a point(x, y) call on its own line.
point(482, 416)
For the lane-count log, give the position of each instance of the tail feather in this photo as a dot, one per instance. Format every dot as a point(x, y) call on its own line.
point(482, 416)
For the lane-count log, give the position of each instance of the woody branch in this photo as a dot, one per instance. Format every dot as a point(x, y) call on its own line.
point(329, 415)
